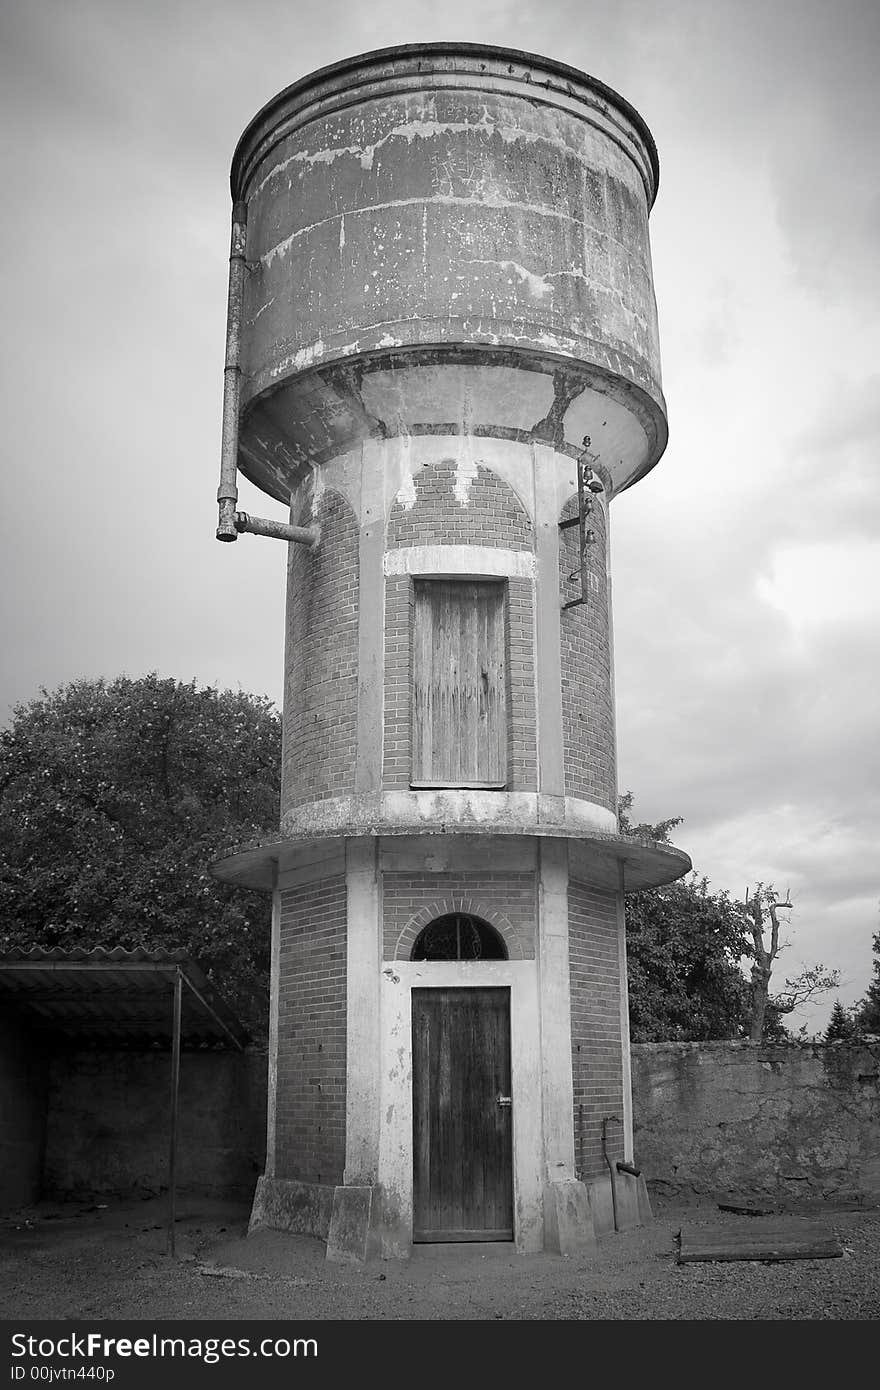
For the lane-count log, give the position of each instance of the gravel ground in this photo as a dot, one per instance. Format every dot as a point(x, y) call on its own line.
point(111, 1263)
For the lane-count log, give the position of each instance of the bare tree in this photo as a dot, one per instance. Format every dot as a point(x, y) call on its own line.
point(761, 908)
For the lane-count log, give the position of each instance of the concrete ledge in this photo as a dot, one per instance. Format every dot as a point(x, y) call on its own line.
point(445, 813)
point(280, 1204)
point(348, 1238)
point(449, 809)
point(568, 1218)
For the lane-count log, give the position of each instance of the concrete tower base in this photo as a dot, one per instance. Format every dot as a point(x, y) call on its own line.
point(341, 1161)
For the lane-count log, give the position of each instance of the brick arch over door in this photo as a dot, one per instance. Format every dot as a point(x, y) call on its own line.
point(443, 907)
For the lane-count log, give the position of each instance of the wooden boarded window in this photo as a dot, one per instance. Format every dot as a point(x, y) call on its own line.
point(459, 699)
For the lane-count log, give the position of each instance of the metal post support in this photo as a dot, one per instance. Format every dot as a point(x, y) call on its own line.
point(175, 1090)
point(586, 537)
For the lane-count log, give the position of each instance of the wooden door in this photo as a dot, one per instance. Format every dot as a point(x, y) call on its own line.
point(462, 1152)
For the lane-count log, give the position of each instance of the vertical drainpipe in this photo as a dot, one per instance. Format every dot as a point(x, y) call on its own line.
point(227, 492)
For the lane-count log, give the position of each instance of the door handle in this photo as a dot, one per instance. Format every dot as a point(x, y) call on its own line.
point(503, 1100)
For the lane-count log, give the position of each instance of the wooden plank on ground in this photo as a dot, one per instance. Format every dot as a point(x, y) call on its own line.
point(744, 1206)
point(786, 1239)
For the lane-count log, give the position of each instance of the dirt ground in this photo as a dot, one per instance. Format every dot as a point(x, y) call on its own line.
point(110, 1261)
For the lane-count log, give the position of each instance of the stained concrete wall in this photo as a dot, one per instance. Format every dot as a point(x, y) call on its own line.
point(108, 1120)
point(23, 1082)
point(798, 1121)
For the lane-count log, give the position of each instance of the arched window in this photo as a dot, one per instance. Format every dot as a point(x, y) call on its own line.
point(458, 936)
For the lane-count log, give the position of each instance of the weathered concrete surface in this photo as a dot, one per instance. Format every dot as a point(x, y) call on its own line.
point(597, 850)
point(23, 1085)
point(633, 1205)
point(349, 1232)
point(799, 1122)
point(303, 1208)
point(424, 215)
point(568, 1218)
point(108, 1122)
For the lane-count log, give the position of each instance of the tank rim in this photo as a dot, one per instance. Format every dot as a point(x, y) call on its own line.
point(496, 52)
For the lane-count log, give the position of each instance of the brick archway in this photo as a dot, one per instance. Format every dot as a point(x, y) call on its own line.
point(443, 907)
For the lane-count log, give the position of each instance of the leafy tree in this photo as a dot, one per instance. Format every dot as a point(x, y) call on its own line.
point(841, 1025)
point(683, 950)
point(643, 830)
point(684, 946)
point(114, 798)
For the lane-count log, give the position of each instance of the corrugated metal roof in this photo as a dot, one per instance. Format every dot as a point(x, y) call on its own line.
point(110, 997)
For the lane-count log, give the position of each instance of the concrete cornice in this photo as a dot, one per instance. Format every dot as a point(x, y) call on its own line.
point(451, 813)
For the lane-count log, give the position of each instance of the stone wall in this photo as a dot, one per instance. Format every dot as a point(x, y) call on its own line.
point(108, 1123)
point(710, 1118)
point(800, 1121)
point(23, 1080)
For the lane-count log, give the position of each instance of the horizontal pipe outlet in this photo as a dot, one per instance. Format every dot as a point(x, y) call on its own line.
point(279, 530)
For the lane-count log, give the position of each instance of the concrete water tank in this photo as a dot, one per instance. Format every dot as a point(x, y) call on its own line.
point(448, 235)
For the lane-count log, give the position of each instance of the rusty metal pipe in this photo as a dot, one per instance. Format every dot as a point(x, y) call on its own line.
point(610, 1119)
point(227, 492)
point(279, 530)
point(628, 1168)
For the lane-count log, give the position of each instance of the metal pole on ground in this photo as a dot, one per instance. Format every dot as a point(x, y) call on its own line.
point(175, 1087)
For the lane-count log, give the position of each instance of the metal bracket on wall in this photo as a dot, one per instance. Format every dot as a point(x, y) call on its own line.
point(587, 482)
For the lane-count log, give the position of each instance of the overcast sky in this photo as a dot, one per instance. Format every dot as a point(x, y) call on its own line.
point(747, 565)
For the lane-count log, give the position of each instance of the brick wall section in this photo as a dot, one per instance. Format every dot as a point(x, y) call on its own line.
point(595, 1026)
point(397, 751)
point(494, 516)
point(522, 760)
point(310, 1114)
point(587, 707)
point(504, 899)
point(321, 681)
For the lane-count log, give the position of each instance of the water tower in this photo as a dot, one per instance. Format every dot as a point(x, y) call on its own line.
point(442, 354)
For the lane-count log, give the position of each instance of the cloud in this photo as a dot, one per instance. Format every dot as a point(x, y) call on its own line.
point(744, 567)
